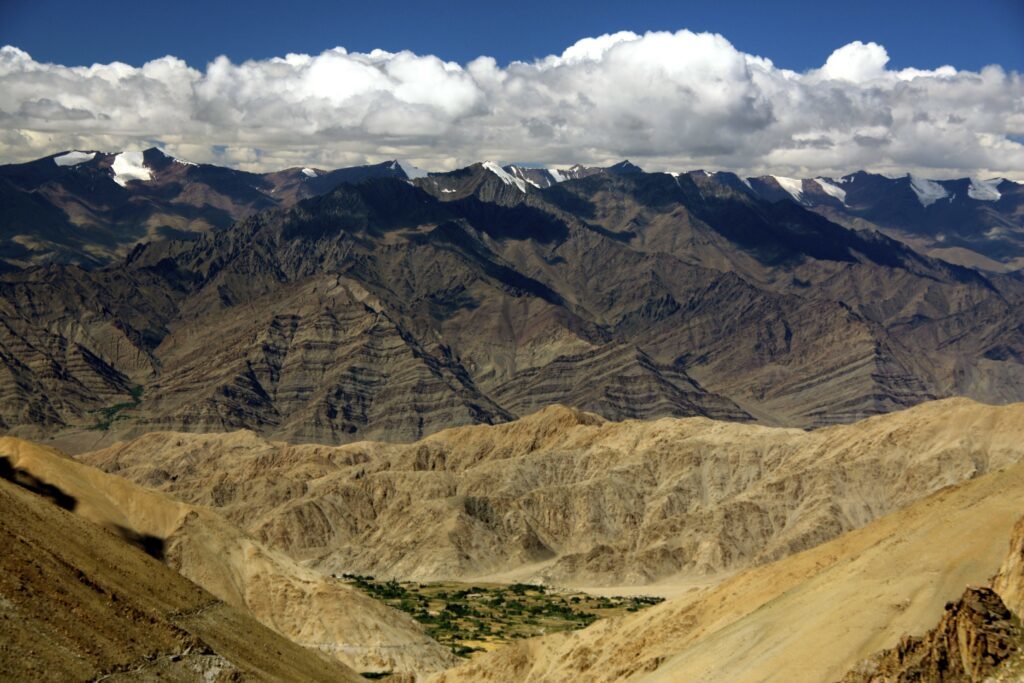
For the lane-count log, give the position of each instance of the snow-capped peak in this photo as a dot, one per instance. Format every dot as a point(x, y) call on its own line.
point(985, 190)
point(832, 190)
point(309, 173)
point(411, 172)
point(928, 191)
point(505, 176)
point(519, 172)
point(557, 175)
point(794, 186)
point(74, 158)
point(129, 166)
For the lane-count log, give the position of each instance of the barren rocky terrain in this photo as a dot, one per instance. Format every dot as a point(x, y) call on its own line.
point(568, 497)
point(391, 309)
point(79, 603)
point(761, 537)
point(810, 617)
point(304, 606)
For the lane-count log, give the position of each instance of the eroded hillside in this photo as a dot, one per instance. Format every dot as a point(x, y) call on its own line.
point(568, 497)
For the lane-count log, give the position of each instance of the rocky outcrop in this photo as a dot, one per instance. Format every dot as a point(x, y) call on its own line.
point(1009, 582)
point(975, 636)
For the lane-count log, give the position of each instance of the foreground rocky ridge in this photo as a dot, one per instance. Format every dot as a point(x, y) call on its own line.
point(568, 497)
point(312, 610)
point(395, 308)
point(978, 638)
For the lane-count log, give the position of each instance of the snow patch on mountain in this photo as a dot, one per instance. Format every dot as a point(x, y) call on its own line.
point(928, 191)
point(832, 190)
point(985, 190)
point(794, 186)
point(557, 175)
point(518, 172)
point(505, 176)
point(129, 166)
point(74, 158)
point(309, 173)
point(410, 171)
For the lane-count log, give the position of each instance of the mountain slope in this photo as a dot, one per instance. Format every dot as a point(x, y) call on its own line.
point(304, 606)
point(967, 221)
point(91, 207)
point(979, 637)
point(78, 604)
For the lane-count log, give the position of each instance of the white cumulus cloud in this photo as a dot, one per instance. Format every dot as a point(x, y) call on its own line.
point(668, 101)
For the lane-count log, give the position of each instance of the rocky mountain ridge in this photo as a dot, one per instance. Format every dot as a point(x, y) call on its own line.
point(90, 207)
point(566, 497)
point(393, 308)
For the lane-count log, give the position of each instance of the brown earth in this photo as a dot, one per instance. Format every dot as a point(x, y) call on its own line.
point(308, 608)
point(567, 497)
point(78, 603)
point(809, 617)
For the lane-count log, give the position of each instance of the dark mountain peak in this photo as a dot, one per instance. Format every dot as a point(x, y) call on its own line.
point(156, 159)
point(538, 177)
point(624, 167)
point(721, 179)
point(486, 180)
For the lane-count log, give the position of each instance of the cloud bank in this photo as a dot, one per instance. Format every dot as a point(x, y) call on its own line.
point(668, 101)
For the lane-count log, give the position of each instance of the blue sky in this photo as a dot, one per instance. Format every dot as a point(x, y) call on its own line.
point(795, 34)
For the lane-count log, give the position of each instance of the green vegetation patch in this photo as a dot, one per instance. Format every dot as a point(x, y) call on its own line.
point(107, 416)
point(479, 617)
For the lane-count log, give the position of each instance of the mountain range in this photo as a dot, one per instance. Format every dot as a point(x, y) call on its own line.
point(91, 207)
point(392, 307)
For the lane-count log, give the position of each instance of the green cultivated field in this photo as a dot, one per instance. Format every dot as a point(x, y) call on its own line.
point(475, 618)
